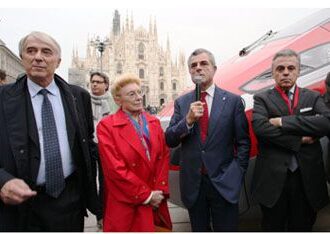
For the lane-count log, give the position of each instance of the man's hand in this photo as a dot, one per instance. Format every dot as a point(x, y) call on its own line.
point(156, 198)
point(195, 112)
point(277, 122)
point(15, 191)
point(307, 140)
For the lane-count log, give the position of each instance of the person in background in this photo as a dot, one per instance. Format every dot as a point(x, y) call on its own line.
point(102, 102)
point(289, 180)
point(326, 99)
point(2, 77)
point(102, 105)
point(46, 179)
point(135, 162)
point(215, 145)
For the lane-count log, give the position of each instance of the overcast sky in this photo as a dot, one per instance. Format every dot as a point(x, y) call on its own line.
point(222, 30)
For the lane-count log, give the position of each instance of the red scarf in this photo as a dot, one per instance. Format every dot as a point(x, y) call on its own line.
point(285, 97)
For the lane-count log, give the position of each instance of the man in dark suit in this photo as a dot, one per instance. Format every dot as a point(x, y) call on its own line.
point(215, 146)
point(326, 99)
point(46, 175)
point(289, 180)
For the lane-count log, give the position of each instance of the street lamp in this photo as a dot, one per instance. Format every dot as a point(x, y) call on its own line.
point(100, 46)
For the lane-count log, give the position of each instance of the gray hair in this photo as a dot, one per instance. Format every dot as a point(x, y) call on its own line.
point(40, 35)
point(201, 51)
point(286, 53)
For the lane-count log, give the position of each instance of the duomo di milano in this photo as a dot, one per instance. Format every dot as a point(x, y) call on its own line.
point(133, 50)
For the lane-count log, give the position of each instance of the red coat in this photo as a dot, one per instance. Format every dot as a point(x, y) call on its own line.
point(129, 177)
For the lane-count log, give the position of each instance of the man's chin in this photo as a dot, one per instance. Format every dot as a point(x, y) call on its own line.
point(38, 75)
point(287, 86)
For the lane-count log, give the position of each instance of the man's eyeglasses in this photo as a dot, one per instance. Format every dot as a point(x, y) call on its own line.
point(97, 82)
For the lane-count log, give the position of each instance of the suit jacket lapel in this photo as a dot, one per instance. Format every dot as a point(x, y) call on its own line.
point(34, 137)
point(218, 107)
point(278, 101)
point(301, 101)
point(31, 122)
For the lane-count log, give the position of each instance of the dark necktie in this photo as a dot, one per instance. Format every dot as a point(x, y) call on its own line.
point(288, 93)
point(55, 182)
point(204, 120)
point(293, 164)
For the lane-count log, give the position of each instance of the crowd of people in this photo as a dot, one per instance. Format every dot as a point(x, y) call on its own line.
point(65, 150)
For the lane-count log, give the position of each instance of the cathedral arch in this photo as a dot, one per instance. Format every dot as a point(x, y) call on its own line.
point(174, 86)
point(162, 99)
point(141, 73)
point(161, 71)
point(141, 51)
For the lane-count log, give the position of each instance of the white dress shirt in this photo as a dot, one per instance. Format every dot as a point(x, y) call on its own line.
point(54, 96)
point(209, 97)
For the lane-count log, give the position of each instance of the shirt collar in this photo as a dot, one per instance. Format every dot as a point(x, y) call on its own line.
point(210, 90)
point(34, 88)
point(292, 89)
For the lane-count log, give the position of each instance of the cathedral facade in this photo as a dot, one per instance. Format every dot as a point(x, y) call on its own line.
point(127, 49)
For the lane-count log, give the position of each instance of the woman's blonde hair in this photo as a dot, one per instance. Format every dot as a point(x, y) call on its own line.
point(122, 81)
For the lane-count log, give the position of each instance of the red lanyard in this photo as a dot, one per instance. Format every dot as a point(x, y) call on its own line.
point(286, 98)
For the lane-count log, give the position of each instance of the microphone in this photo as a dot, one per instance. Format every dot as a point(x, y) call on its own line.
point(197, 80)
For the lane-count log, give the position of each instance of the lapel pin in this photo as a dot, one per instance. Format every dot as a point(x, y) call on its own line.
point(224, 98)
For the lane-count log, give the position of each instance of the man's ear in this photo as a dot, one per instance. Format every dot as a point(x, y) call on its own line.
point(58, 62)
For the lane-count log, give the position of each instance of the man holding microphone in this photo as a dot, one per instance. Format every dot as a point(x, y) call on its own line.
point(213, 132)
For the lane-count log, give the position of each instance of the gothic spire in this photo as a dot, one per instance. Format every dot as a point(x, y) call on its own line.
point(150, 25)
point(155, 27)
point(127, 25)
point(132, 22)
point(116, 24)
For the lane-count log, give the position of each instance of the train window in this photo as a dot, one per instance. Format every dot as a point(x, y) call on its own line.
point(314, 58)
point(311, 60)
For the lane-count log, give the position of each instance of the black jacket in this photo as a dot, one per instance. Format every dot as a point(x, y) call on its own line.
point(277, 145)
point(19, 144)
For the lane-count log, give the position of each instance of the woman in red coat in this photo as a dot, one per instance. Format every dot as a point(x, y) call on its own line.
point(135, 162)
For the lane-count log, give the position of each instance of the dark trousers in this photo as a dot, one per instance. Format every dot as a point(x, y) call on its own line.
point(62, 214)
point(292, 211)
point(211, 209)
